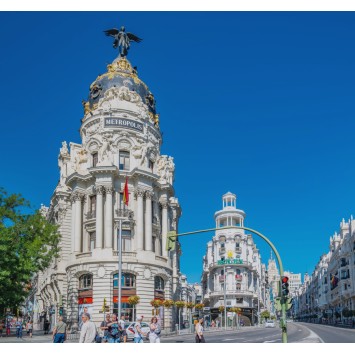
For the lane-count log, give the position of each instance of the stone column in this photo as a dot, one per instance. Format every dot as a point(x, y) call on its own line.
point(108, 217)
point(72, 223)
point(99, 216)
point(140, 232)
point(78, 196)
point(148, 220)
point(164, 229)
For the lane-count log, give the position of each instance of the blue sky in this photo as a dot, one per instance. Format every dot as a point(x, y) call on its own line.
point(258, 103)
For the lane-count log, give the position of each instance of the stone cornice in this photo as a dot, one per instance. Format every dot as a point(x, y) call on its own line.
point(77, 177)
point(103, 169)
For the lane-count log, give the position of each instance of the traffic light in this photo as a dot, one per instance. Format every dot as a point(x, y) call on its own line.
point(289, 304)
point(171, 242)
point(284, 287)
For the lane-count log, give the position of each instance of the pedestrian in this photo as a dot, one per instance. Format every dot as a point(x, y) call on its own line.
point(104, 327)
point(1, 327)
point(29, 328)
point(60, 331)
point(138, 333)
point(113, 334)
point(46, 326)
point(155, 330)
point(8, 327)
point(123, 329)
point(88, 329)
point(199, 331)
point(19, 328)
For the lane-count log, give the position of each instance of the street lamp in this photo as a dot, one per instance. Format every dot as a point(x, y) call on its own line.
point(225, 296)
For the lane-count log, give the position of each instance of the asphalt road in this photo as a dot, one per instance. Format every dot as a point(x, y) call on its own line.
point(329, 334)
point(297, 333)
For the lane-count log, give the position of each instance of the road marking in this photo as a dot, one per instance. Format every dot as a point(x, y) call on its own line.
point(233, 339)
point(312, 335)
point(271, 341)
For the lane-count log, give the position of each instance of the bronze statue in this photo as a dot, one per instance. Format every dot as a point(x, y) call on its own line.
point(122, 39)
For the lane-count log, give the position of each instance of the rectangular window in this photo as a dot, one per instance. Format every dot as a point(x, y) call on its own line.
point(124, 161)
point(94, 159)
point(239, 300)
point(93, 203)
point(92, 240)
point(153, 243)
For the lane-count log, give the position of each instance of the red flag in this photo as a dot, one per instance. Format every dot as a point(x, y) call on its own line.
point(126, 193)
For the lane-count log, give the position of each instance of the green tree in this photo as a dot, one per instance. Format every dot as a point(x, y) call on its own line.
point(28, 244)
point(265, 314)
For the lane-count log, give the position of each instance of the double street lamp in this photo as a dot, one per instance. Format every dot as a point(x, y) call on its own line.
point(225, 295)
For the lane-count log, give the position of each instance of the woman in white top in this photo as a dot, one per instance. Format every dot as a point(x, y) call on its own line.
point(154, 334)
point(199, 331)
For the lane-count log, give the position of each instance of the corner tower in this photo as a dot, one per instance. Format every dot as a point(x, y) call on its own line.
point(120, 138)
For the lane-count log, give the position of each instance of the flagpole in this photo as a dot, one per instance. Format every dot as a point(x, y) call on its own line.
point(119, 267)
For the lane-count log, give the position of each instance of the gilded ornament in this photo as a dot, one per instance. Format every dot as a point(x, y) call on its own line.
point(86, 105)
point(156, 119)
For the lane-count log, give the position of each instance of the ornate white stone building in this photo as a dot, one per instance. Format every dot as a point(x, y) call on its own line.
point(120, 137)
point(329, 293)
point(233, 261)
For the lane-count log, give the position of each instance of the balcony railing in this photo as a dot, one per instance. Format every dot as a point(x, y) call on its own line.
point(124, 213)
point(90, 214)
point(239, 277)
point(231, 292)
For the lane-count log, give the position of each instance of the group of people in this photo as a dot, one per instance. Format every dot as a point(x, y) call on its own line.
point(111, 330)
point(19, 324)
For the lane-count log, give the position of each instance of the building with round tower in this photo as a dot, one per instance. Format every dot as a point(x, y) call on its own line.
point(232, 267)
point(120, 139)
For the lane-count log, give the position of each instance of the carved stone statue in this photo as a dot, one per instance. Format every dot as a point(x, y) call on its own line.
point(64, 149)
point(122, 39)
point(105, 153)
point(80, 159)
point(165, 169)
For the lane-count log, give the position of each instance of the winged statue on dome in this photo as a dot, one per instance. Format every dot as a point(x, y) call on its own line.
point(122, 39)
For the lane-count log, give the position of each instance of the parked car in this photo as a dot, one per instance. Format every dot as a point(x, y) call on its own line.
point(130, 329)
point(270, 324)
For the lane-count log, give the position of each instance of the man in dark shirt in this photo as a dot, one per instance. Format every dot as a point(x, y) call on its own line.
point(104, 326)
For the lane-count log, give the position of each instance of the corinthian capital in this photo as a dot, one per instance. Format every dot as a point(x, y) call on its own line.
point(100, 190)
point(109, 190)
point(138, 193)
point(164, 204)
point(77, 196)
point(149, 194)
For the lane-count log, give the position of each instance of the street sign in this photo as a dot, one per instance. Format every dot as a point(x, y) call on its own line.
point(206, 308)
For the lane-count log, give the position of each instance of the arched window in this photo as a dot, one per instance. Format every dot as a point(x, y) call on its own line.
point(85, 282)
point(159, 283)
point(127, 281)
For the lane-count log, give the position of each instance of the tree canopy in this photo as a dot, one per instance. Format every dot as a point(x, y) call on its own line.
point(28, 244)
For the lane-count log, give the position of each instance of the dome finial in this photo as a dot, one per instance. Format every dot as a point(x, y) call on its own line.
point(122, 39)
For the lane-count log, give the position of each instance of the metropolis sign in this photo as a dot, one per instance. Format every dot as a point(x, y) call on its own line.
point(123, 122)
point(230, 261)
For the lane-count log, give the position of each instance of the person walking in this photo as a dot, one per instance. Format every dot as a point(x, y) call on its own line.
point(88, 329)
point(121, 323)
point(19, 328)
point(8, 327)
point(1, 327)
point(60, 331)
point(46, 326)
point(138, 333)
point(29, 328)
point(155, 330)
point(199, 331)
point(104, 327)
point(113, 334)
